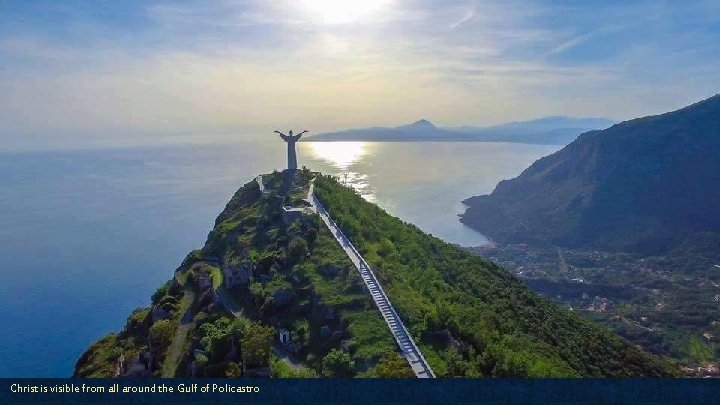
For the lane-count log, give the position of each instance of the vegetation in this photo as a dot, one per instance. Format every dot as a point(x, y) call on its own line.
point(161, 334)
point(666, 304)
point(302, 282)
point(469, 317)
point(337, 364)
point(99, 359)
point(495, 325)
point(647, 186)
point(635, 208)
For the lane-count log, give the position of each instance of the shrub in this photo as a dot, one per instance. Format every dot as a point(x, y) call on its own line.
point(161, 333)
point(297, 250)
point(161, 292)
point(256, 345)
point(311, 236)
point(338, 364)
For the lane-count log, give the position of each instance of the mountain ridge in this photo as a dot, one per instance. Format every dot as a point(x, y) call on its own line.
point(546, 130)
point(652, 180)
point(266, 271)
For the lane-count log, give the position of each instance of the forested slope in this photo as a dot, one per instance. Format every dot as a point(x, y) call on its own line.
point(496, 326)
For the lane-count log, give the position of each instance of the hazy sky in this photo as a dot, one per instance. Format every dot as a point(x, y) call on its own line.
point(77, 71)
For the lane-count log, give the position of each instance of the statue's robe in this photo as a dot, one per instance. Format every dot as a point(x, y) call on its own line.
point(291, 155)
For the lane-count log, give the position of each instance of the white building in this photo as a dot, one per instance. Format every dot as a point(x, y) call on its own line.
point(284, 336)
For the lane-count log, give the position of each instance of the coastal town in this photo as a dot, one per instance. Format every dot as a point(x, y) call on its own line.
point(668, 305)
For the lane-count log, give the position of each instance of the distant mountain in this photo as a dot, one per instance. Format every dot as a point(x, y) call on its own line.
point(422, 130)
point(548, 130)
point(421, 125)
point(545, 124)
point(647, 185)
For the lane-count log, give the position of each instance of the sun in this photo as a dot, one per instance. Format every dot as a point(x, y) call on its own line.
point(344, 11)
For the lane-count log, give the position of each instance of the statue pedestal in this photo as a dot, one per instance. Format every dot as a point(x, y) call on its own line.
point(288, 180)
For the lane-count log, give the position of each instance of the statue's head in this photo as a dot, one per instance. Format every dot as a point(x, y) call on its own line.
point(290, 132)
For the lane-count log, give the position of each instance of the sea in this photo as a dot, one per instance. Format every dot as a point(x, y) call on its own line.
point(86, 235)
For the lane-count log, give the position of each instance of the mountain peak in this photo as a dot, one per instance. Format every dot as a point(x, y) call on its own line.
point(586, 195)
point(422, 123)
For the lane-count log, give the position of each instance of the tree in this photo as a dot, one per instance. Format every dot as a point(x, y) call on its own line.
point(258, 291)
point(160, 292)
point(311, 236)
point(169, 306)
point(138, 321)
point(301, 332)
point(201, 360)
point(264, 263)
point(338, 364)
point(169, 303)
point(297, 250)
point(232, 370)
point(294, 228)
point(386, 247)
point(256, 344)
point(215, 338)
point(161, 333)
point(392, 365)
point(239, 326)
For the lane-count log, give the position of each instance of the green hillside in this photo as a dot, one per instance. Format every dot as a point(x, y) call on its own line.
point(302, 282)
point(500, 327)
point(649, 185)
point(468, 316)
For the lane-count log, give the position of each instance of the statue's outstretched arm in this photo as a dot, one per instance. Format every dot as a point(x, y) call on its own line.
point(283, 136)
point(297, 137)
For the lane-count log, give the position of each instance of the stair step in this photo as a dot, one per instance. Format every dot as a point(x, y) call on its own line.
point(394, 322)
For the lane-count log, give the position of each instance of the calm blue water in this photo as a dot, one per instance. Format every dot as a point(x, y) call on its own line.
point(87, 236)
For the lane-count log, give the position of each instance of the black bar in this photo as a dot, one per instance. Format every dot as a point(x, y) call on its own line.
point(515, 391)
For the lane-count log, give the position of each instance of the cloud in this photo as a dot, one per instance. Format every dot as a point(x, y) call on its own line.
point(204, 67)
point(575, 41)
point(467, 16)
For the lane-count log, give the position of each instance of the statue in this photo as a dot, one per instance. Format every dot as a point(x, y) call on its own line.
point(290, 139)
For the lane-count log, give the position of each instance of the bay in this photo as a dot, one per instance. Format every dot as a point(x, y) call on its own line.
point(87, 235)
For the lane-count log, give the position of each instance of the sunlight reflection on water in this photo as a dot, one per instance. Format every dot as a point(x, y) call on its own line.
point(81, 208)
point(341, 156)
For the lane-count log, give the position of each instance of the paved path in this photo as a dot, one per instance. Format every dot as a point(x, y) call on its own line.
point(286, 356)
point(236, 310)
point(175, 351)
point(407, 346)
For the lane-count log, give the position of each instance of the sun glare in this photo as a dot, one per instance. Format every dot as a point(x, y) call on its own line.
point(340, 154)
point(344, 11)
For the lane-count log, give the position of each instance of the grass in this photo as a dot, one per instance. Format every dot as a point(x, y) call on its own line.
point(217, 276)
point(100, 364)
point(327, 274)
point(178, 345)
point(699, 350)
point(176, 350)
point(181, 276)
point(370, 333)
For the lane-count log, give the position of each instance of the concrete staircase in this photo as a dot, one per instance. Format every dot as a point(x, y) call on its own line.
point(408, 349)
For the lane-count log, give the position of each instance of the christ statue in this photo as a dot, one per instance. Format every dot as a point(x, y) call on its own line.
point(290, 139)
